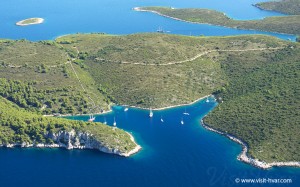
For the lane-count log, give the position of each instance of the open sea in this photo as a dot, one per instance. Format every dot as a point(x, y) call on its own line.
point(117, 17)
point(173, 154)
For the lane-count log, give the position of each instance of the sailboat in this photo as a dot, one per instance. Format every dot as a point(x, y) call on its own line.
point(161, 119)
point(92, 118)
point(105, 121)
point(115, 123)
point(125, 109)
point(151, 113)
point(160, 30)
point(185, 113)
point(207, 100)
point(182, 122)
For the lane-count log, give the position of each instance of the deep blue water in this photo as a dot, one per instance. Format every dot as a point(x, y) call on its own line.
point(117, 17)
point(172, 155)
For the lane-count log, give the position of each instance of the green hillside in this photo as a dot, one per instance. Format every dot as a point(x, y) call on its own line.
point(261, 103)
point(19, 126)
point(156, 70)
point(39, 76)
point(256, 77)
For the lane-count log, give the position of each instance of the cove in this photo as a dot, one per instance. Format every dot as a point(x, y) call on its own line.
point(172, 155)
point(117, 17)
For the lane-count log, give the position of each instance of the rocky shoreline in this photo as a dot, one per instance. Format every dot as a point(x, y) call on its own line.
point(140, 9)
point(133, 151)
point(76, 140)
point(247, 159)
point(168, 107)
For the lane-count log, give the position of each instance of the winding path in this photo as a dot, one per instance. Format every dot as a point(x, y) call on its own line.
point(165, 64)
point(202, 54)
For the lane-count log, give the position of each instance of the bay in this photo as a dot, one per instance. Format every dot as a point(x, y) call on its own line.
point(172, 155)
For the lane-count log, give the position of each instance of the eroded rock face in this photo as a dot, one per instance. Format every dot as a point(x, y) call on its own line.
point(75, 140)
point(69, 140)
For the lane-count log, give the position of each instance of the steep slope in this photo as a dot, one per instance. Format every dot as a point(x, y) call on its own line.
point(40, 76)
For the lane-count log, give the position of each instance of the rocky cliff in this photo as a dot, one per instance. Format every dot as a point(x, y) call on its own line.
point(77, 140)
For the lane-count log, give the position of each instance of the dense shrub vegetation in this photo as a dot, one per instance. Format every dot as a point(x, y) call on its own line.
point(19, 126)
point(261, 103)
point(38, 76)
point(152, 83)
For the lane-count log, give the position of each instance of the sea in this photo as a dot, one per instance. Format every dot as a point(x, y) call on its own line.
point(172, 154)
point(117, 17)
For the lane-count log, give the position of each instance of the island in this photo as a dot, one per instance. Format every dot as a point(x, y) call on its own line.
point(285, 6)
point(255, 79)
point(279, 24)
point(30, 21)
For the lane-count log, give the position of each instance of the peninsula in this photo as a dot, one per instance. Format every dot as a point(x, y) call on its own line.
point(22, 128)
point(30, 21)
point(291, 7)
point(280, 24)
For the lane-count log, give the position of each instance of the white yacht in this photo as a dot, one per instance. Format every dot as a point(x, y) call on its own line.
point(161, 119)
point(115, 123)
point(186, 113)
point(182, 122)
point(92, 118)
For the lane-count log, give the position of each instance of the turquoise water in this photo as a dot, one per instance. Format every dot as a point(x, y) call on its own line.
point(117, 17)
point(172, 155)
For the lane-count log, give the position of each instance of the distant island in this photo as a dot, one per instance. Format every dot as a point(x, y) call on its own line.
point(30, 21)
point(280, 24)
point(291, 7)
